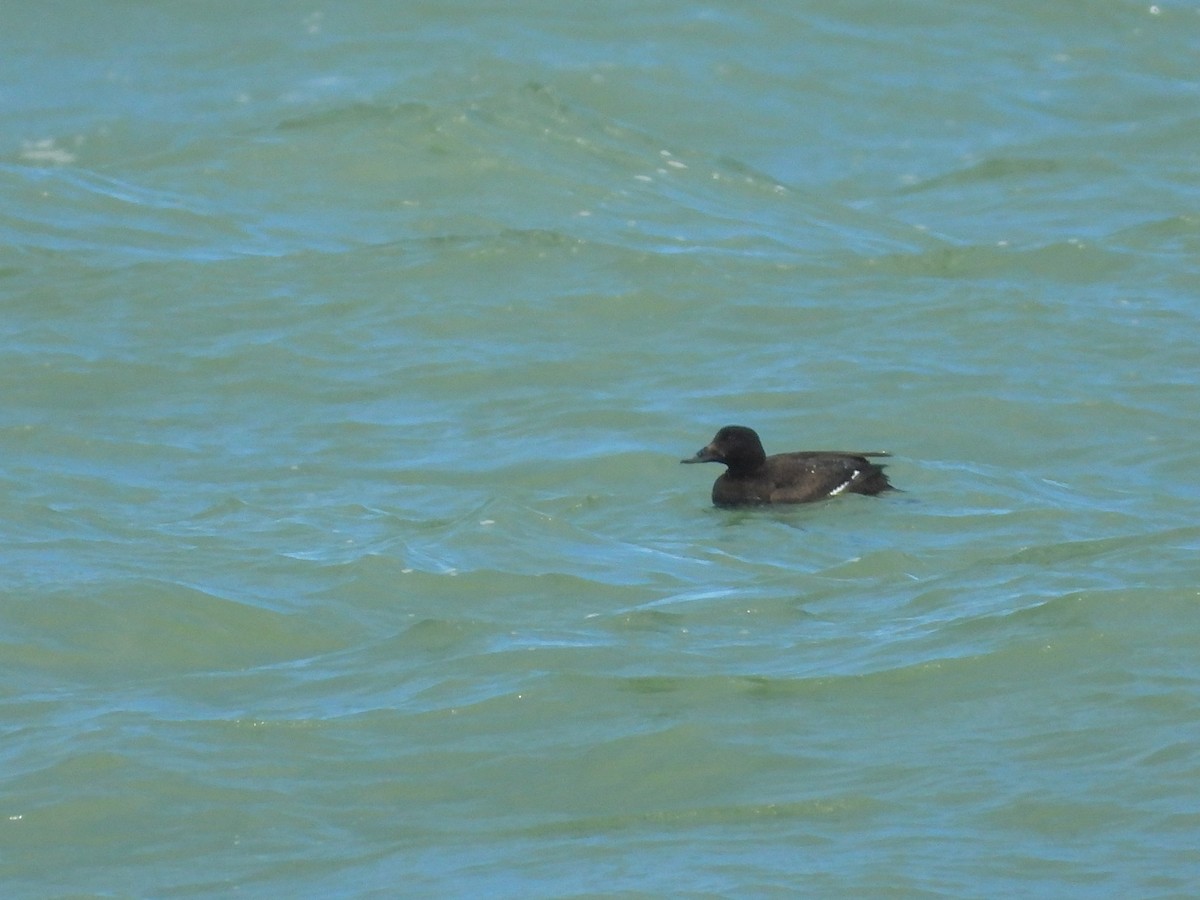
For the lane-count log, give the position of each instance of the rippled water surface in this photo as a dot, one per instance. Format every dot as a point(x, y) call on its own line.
point(347, 357)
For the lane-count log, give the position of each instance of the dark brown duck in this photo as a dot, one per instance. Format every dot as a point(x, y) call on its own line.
point(754, 478)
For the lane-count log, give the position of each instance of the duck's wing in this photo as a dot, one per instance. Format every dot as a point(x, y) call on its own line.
point(814, 475)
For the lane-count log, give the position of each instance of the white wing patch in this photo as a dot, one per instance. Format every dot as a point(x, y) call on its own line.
point(845, 484)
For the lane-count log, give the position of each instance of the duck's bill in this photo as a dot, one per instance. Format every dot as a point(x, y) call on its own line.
point(707, 454)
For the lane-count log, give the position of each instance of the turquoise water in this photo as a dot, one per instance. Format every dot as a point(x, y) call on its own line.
point(348, 356)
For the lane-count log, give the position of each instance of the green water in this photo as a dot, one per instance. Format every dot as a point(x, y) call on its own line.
point(348, 356)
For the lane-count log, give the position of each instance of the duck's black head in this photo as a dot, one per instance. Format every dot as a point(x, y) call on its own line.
point(736, 446)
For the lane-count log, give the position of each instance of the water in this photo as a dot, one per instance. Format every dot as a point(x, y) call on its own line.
point(348, 354)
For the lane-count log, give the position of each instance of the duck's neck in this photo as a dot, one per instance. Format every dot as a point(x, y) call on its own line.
point(747, 463)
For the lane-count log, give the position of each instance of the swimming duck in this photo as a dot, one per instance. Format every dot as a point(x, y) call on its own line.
point(753, 478)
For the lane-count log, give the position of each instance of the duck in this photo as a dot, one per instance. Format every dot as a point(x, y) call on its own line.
point(753, 479)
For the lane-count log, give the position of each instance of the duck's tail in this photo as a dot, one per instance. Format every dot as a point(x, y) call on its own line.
point(873, 481)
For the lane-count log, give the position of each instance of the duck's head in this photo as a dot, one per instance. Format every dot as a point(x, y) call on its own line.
point(734, 445)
